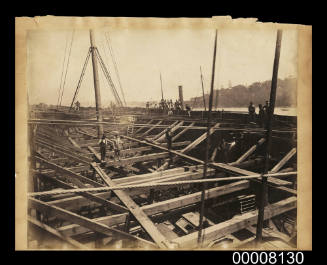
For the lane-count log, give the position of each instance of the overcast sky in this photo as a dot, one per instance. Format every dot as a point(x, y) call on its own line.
point(243, 57)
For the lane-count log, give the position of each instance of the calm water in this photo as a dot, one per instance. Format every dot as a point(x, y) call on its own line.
point(278, 110)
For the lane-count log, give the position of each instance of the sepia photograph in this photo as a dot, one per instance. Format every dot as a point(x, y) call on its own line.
point(162, 134)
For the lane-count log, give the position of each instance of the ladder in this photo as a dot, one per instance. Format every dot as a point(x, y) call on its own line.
point(130, 127)
point(247, 203)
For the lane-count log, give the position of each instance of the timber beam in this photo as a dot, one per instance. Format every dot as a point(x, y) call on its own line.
point(165, 206)
point(140, 216)
point(237, 223)
point(85, 222)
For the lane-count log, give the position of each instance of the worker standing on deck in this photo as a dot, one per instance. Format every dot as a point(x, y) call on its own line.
point(261, 115)
point(188, 109)
point(117, 146)
point(147, 107)
point(251, 112)
point(266, 109)
point(169, 145)
point(103, 144)
point(78, 105)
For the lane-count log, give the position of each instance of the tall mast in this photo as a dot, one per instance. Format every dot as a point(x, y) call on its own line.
point(161, 87)
point(204, 187)
point(264, 190)
point(204, 101)
point(96, 85)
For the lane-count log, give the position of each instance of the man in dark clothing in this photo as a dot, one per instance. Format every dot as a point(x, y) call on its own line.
point(117, 147)
point(266, 109)
point(169, 145)
point(261, 115)
point(103, 143)
point(78, 105)
point(188, 109)
point(251, 112)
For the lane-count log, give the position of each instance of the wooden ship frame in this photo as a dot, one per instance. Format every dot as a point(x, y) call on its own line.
point(191, 196)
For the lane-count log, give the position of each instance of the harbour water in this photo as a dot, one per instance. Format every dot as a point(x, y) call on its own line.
point(288, 111)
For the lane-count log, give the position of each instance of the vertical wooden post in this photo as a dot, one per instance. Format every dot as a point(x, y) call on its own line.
point(204, 100)
point(264, 195)
point(207, 144)
point(127, 222)
point(216, 100)
point(162, 97)
point(96, 85)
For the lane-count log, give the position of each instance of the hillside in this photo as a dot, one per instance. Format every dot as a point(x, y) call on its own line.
point(258, 93)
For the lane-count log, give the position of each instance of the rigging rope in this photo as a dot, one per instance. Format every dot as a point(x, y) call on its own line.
point(107, 75)
point(62, 72)
point(157, 184)
point(70, 49)
point(81, 78)
point(115, 64)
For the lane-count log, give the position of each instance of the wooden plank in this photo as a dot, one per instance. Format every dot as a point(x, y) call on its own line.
point(162, 133)
point(65, 153)
point(64, 146)
point(199, 139)
point(139, 129)
point(74, 143)
point(236, 223)
point(153, 127)
point(162, 138)
point(82, 131)
point(194, 197)
point(88, 195)
point(56, 233)
point(140, 216)
point(166, 205)
point(133, 160)
point(83, 221)
point(271, 233)
point(76, 202)
point(76, 169)
point(243, 172)
point(130, 151)
point(249, 152)
point(220, 166)
point(68, 172)
point(175, 177)
point(164, 229)
point(182, 132)
point(97, 155)
point(282, 162)
point(148, 176)
point(192, 145)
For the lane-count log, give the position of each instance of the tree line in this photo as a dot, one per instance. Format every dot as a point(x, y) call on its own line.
point(258, 93)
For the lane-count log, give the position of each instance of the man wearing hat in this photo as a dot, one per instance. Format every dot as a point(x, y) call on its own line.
point(103, 143)
point(169, 144)
point(117, 146)
point(251, 112)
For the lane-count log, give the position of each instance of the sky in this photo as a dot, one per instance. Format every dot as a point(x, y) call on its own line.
point(243, 57)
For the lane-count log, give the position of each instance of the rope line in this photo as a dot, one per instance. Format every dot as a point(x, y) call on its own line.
point(115, 64)
point(62, 72)
point(107, 75)
point(155, 184)
point(81, 78)
point(70, 49)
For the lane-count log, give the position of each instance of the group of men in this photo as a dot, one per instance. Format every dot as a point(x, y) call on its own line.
point(262, 115)
point(168, 106)
point(165, 105)
point(115, 145)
